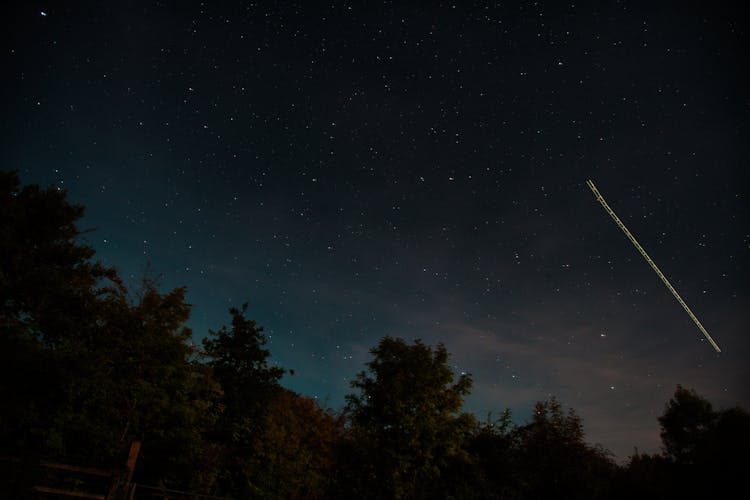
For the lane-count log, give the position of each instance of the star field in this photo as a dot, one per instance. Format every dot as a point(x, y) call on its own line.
point(360, 169)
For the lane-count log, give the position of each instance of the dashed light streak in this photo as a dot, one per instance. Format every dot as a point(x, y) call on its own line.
point(653, 265)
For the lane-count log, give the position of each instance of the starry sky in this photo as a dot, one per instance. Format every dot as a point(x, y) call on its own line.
point(362, 169)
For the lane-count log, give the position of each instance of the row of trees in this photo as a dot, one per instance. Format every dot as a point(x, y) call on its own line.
point(87, 367)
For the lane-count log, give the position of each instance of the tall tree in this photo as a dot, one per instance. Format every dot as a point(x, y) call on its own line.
point(554, 458)
point(85, 370)
point(685, 423)
point(407, 419)
point(706, 448)
point(142, 380)
point(494, 448)
point(295, 452)
point(50, 289)
point(239, 362)
point(48, 279)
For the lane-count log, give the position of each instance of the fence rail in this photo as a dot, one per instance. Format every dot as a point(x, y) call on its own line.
point(68, 493)
point(36, 479)
point(43, 479)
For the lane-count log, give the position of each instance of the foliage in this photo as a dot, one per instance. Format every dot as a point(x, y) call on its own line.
point(48, 281)
point(239, 363)
point(406, 417)
point(295, 452)
point(86, 370)
point(707, 448)
point(48, 288)
point(49, 292)
point(162, 395)
point(554, 458)
point(686, 420)
point(489, 473)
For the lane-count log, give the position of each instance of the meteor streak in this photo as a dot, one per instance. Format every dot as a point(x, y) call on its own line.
point(630, 236)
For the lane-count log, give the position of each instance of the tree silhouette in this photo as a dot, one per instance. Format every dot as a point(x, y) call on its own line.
point(50, 290)
point(86, 369)
point(685, 424)
point(48, 280)
point(406, 418)
point(708, 448)
point(493, 472)
point(240, 365)
point(645, 476)
point(554, 458)
point(295, 451)
point(146, 382)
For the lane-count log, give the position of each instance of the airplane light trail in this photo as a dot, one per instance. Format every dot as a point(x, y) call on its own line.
point(600, 199)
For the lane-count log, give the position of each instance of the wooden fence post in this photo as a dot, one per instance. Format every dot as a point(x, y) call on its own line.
point(135, 448)
point(122, 489)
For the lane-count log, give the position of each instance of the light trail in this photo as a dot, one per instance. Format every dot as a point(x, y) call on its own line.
point(653, 265)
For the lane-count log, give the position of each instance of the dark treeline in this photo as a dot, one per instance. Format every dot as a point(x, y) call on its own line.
point(87, 367)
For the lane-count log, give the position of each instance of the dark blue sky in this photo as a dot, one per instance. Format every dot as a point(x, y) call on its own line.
point(354, 171)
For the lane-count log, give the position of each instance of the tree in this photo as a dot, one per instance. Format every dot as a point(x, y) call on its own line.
point(50, 289)
point(646, 476)
point(685, 424)
point(494, 446)
point(144, 382)
point(707, 449)
point(725, 453)
point(406, 418)
point(296, 450)
point(239, 363)
point(704, 453)
point(554, 458)
point(85, 370)
point(48, 281)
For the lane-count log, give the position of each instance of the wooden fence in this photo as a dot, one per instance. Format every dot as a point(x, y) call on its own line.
point(43, 480)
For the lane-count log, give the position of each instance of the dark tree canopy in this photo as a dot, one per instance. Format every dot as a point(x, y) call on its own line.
point(295, 453)
point(553, 452)
point(705, 453)
point(238, 358)
point(708, 447)
point(687, 419)
point(239, 363)
point(87, 368)
point(408, 414)
point(48, 281)
point(50, 295)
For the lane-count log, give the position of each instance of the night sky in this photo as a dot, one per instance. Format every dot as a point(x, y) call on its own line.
point(359, 170)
